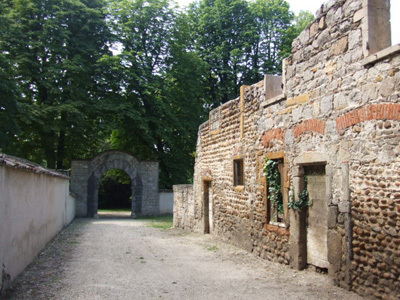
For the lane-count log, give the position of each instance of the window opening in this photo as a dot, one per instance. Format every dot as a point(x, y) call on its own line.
point(274, 171)
point(238, 172)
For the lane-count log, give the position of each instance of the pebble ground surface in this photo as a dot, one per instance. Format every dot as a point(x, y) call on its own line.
point(122, 258)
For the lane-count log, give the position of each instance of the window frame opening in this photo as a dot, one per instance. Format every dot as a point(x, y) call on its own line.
point(275, 215)
point(238, 172)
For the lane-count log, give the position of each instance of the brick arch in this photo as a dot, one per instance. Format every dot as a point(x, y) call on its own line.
point(314, 125)
point(272, 134)
point(86, 174)
point(383, 111)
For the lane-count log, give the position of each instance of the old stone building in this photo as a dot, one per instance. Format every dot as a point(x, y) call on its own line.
point(330, 126)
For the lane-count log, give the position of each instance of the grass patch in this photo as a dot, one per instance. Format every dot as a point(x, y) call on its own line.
point(162, 222)
point(111, 210)
point(212, 248)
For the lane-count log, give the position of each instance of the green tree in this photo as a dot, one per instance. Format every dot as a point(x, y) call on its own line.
point(223, 30)
point(301, 21)
point(160, 96)
point(240, 41)
point(273, 20)
point(55, 46)
point(8, 90)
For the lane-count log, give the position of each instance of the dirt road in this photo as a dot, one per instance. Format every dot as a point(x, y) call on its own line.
point(125, 259)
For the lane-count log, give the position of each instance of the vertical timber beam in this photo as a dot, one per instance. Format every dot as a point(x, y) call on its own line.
point(242, 90)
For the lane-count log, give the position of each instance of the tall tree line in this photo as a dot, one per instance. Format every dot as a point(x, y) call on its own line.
point(65, 95)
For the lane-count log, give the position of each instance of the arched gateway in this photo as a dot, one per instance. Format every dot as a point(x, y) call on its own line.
point(86, 174)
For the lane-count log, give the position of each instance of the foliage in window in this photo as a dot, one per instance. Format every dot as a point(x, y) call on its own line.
point(273, 178)
point(303, 199)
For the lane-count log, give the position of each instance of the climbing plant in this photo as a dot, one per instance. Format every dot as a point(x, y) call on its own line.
point(303, 199)
point(273, 178)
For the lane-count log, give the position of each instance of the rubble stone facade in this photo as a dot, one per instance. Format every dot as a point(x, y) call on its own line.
point(333, 123)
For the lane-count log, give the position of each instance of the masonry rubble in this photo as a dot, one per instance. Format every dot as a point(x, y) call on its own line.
point(333, 118)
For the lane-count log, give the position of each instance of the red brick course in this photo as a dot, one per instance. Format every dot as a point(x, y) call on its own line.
point(385, 111)
point(277, 133)
point(309, 125)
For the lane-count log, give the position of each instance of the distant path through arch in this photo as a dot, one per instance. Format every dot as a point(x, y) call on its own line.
point(85, 180)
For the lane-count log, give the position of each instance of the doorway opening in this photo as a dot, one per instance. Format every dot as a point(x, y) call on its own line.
point(115, 194)
point(207, 207)
point(317, 216)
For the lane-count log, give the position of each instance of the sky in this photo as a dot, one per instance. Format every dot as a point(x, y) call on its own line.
point(314, 5)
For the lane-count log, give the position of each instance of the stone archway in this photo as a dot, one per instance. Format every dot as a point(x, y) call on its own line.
point(86, 174)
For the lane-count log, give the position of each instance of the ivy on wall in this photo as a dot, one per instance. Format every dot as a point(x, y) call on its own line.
point(303, 199)
point(273, 178)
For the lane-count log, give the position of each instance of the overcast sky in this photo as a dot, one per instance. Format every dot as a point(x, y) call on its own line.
point(314, 5)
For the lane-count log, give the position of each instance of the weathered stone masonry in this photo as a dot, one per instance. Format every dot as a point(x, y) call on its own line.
point(86, 174)
point(336, 120)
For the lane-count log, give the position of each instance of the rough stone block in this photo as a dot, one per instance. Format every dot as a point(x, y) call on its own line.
point(334, 250)
point(301, 99)
point(332, 217)
point(339, 47)
point(326, 104)
point(314, 28)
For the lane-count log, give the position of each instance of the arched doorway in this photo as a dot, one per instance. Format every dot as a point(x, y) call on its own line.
point(86, 175)
point(94, 184)
point(115, 191)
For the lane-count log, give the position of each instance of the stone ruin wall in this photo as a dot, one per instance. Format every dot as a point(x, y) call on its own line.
point(338, 102)
point(86, 174)
point(184, 213)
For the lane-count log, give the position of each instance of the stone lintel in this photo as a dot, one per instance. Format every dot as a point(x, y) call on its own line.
point(274, 100)
point(310, 158)
point(372, 59)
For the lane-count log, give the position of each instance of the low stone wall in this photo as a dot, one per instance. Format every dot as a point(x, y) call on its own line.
point(35, 204)
point(184, 216)
point(166, 202)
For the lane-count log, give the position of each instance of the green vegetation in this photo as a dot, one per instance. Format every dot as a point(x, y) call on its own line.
point(162, 222)
point(111, 210)
point(303, 201)
point(273, 178)
point(115, 190)
point(212, 248)
point(64, 94)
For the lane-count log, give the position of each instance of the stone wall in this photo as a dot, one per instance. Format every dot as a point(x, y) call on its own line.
point(86, 174)
point(184, 206)
point(339, 110)
point(166, 200)
point(35, 205)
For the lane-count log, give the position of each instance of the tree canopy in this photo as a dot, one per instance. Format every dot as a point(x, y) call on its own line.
point(81, 76)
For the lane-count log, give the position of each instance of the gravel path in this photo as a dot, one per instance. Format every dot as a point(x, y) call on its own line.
point(125, 259)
